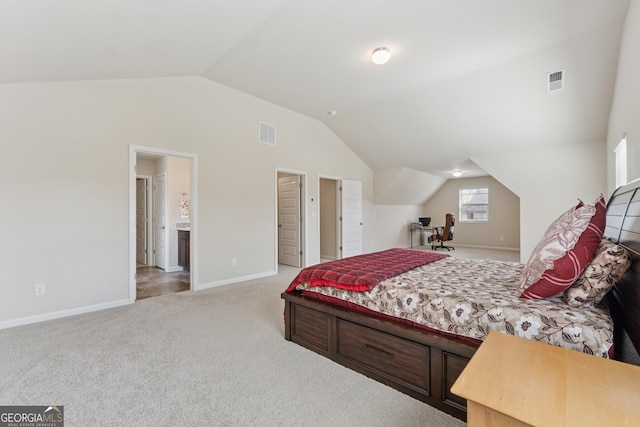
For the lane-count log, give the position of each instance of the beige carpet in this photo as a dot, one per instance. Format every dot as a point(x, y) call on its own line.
point(208, 358)
point(470, 252)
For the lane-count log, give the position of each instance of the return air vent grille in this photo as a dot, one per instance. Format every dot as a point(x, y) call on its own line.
point(555, 81)
point(266, 133)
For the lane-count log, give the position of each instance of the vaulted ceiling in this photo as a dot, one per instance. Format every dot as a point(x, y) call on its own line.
point(466, 77)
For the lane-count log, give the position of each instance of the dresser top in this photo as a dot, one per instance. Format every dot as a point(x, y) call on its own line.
point(541, 384)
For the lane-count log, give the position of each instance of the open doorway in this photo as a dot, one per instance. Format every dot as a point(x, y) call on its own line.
point(329, 221)
point(162, 222)
point(290, 218)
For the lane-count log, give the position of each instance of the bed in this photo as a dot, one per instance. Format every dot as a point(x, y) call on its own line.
point(421, 355)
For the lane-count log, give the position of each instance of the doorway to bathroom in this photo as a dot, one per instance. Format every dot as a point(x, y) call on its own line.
point(163, 222)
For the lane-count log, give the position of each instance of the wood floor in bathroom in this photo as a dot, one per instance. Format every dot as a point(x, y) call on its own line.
point(153, 281)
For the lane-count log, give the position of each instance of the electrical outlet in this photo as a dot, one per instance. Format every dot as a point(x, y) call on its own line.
point(40, 289)
point(234, 262)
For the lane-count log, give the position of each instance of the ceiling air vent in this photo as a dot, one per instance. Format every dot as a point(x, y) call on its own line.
point(555, 81)
point(267, 133)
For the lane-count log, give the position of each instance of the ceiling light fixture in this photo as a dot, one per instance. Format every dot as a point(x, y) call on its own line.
point(380, 55)
point(456, 173)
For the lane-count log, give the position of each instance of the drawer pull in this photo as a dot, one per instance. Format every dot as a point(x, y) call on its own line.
point(377, 352)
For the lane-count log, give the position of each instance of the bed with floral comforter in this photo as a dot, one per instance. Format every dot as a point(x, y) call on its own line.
point(469, 298)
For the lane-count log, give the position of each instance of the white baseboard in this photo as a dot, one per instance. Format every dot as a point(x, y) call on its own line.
point(63, 313)
point(209, 285)
point(173, 269)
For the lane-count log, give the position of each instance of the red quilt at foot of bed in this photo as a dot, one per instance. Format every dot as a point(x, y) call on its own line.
point(363, 272)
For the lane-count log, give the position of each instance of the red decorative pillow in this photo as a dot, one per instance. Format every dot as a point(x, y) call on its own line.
point(564, 252)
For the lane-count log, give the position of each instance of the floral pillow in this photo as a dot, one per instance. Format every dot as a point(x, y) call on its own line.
point(608, 265)
point(564, 251)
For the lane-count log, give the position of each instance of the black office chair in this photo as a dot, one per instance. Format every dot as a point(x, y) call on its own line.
point(444, 234)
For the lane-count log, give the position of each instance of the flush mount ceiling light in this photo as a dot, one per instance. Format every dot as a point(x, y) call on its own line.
point(456, 173)
point(380, 55)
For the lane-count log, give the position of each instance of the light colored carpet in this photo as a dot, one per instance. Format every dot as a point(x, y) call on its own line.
point(470, 252)
point(210, 358)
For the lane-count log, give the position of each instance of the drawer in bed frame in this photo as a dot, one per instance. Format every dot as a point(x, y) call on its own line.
point(417, 362)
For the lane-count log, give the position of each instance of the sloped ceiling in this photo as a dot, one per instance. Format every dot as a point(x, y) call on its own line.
point(466, 77)
point(404, 186)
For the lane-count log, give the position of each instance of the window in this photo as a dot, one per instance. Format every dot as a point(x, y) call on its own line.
point(474, 204)
point(621, 162)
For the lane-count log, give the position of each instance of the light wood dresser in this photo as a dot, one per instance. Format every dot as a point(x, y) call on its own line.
point(511, 381)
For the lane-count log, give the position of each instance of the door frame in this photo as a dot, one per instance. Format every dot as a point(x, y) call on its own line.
point(193, 213)
point(303, 213)
point(286, 223)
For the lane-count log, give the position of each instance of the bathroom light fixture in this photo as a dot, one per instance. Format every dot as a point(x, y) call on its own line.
point(380, 55)
point(456, 173)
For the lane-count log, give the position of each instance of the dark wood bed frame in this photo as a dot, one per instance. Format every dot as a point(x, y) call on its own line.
point(425, 364)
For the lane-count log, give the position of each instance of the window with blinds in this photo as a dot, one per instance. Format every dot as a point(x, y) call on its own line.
point(621, 162)
point(474, 204)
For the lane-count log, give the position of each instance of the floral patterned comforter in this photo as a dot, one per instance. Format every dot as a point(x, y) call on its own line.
point(471, 297)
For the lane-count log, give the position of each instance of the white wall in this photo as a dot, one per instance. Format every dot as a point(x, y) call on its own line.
point(548, 181)
point(392, 225)
point(625, 116)
point(65, 180)
point(502, 230)
point(146, 167)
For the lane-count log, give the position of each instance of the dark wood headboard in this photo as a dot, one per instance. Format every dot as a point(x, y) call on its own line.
point(623, 226)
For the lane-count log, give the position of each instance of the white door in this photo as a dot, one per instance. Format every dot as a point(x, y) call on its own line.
point(160, 219)
point(289, 218)
point(351, 215)
point(141, 221)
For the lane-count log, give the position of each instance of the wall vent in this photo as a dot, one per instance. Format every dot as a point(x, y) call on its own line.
point(266, 133)
point(555, 81)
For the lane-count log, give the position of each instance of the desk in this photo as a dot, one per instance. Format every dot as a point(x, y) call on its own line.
point(416, 226)
point(511, 381)
point(413, 227)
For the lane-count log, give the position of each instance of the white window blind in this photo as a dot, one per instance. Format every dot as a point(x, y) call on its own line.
point(621, 162)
